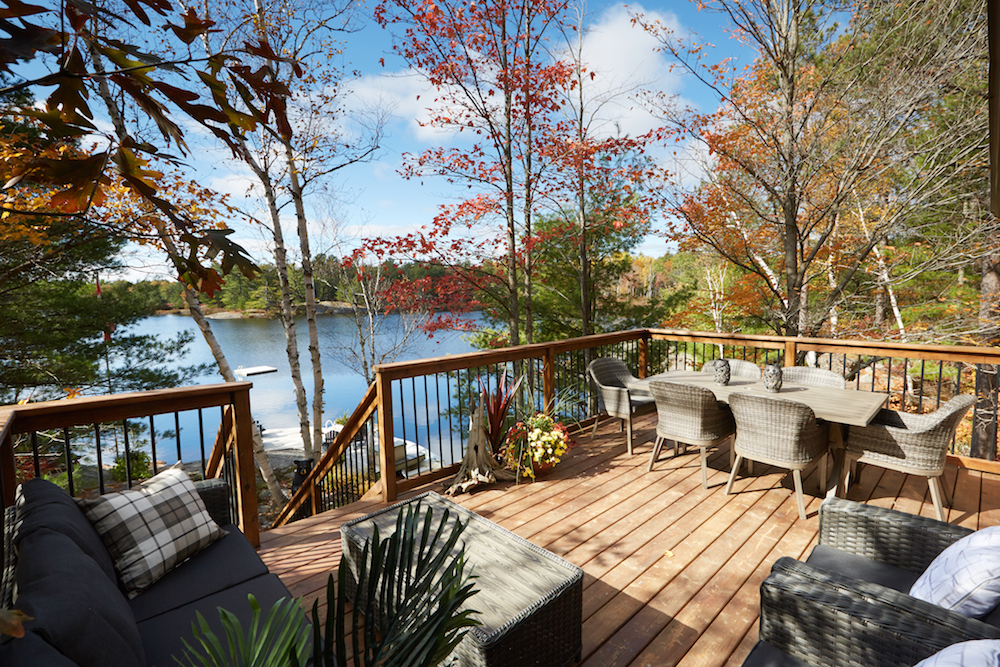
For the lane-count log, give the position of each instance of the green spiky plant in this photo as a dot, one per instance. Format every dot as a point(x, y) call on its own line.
point(415, 584)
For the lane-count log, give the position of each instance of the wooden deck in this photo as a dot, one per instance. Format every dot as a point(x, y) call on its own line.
point(672, 571)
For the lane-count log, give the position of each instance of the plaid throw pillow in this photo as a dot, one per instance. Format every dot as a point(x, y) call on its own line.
point(151, 529)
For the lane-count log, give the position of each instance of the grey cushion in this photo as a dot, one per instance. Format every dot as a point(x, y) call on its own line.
point(75, 607)
point(859, 567)
point(219, 566)
point(31, 651)
point(162, 635)
point(42, 504)
point(764, 654)
point(151, 529)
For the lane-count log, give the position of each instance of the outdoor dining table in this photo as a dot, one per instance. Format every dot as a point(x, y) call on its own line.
point(840, 406)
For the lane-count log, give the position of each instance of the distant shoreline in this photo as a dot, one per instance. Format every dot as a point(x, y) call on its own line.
point(322, 308)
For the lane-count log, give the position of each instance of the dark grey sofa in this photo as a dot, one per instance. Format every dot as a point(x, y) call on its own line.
point(65, 580)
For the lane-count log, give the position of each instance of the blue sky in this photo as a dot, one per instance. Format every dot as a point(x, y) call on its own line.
point(373, 199)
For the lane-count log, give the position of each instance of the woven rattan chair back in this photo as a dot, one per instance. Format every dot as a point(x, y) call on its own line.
point(619, 393)
point(689, 415)
point(910, 443)
point(778, 432)
point(738, 368)
point(812, 377)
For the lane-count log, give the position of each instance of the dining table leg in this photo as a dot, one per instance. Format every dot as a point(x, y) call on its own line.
point(839, 451)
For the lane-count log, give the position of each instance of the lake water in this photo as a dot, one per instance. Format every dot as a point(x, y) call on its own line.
point(260, 342)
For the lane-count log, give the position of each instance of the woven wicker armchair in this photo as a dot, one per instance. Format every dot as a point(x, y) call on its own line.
point(805, 622)
point(619, 393)
point(738, 368)
point(812, 377)
point(690, 415)
point(852, 591)
point(778, 432)
point(912, 444)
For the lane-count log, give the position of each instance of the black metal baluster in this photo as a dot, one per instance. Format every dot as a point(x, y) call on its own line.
point(69, 461)
point(920, 399)
point(152, 444)
point(177, 433)
point(128, 454)
point(905, 382)
point(100, 462)
point(427, 429)
point(34, 454)
point(940, 380)
point(451, 424)
point(201, 442)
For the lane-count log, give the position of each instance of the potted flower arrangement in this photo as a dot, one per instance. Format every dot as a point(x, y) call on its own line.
point(536, 444)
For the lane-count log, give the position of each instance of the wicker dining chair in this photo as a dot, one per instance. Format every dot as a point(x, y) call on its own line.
point(738, 368)
point(912, 444)
point(690, 415)
point(812, 377)
point(619, 393)
point(778, 432)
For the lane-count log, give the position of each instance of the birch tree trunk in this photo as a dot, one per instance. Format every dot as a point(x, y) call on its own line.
point(316, 449)
point(191, 297)
point(278, 496)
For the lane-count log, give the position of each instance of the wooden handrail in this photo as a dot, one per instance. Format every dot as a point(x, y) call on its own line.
point(354, 423)
point(406, 369)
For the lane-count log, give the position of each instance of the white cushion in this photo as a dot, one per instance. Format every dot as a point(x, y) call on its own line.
point(150, 529)
point(965, 577)
point(978, 653)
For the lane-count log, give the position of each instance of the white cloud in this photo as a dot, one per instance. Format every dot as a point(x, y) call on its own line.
point(623, 59)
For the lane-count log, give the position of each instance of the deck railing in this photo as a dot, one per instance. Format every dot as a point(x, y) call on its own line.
point(422, 407)
point(426, 403)
point(70, 441)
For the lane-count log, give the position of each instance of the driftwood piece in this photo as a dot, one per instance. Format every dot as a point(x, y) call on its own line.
point(478, 465)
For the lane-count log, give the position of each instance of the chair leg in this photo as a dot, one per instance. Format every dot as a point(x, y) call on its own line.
point(704, 467)
point(824, 474)
point(797, 477)
point(656, 452)
point(732, 474)
point(944, 490)
point(732, 450)
point(597, 420)
point(935, 487)
point(628, 434)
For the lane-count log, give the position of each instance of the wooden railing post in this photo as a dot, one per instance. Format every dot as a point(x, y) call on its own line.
point(790, 350)
point(386, 439)
point(8, 464)
point(549, 380)
point(246, 472)
point(644, 356)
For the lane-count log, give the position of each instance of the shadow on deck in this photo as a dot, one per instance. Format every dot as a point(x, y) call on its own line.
point(672, 571)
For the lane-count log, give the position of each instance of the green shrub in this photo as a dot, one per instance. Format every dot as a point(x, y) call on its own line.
point(141, 464)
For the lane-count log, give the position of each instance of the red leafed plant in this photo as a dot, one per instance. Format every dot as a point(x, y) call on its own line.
point(496, 406)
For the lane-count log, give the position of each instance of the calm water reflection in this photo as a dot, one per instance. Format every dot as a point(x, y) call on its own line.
point(256, 342)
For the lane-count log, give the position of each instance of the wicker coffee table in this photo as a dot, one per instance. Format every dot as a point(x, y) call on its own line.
point(530, 601)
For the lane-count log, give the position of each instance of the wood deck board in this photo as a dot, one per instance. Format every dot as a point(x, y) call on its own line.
point(671, 570)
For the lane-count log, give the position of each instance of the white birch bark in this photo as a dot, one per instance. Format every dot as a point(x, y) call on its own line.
point(191, 297)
